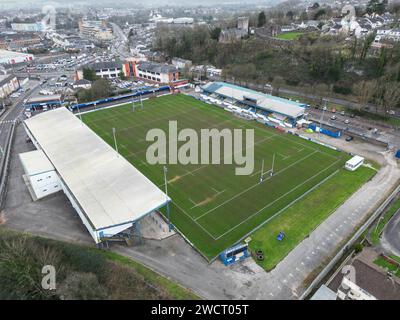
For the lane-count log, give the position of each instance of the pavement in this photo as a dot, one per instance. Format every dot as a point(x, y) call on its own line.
point(390, 239)
point(54, 217)
point(51, 217)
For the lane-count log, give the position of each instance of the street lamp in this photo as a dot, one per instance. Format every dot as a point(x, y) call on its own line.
point(115, 141)
point(133, 99)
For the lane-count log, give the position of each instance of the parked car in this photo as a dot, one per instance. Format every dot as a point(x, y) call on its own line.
point(347, 121)
point(333, 117)
point(349, 138)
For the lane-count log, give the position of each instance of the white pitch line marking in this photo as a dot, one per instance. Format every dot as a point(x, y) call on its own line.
point(257, 184)
point(290, 204)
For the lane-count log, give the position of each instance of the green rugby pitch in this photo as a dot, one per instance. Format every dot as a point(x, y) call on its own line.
point(211, 206)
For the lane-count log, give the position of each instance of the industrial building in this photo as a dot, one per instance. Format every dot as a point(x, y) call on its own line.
point(11, 57)
point(8, 85)
point(107, 192)
point(283, 110)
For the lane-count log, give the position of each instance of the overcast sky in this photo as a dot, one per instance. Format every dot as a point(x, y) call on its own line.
point(5, 4)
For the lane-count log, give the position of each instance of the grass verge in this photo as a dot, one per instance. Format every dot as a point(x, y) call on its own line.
point(389, 267)
point(377, 231)
point(289, 35)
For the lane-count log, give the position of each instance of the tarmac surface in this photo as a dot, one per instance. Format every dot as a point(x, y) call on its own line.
point(390, 239)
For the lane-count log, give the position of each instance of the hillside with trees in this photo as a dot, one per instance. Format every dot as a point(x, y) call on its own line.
point(315, 62)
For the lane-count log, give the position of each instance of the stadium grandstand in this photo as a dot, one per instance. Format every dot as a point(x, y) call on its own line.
point(109, 194)
point(277, 109)
point(42, 102)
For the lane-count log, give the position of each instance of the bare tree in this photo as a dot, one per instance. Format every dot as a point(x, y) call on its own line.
point(391, 96)
point(365, 90)
point(277, 83)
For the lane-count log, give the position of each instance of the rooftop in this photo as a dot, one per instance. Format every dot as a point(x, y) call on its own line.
point(44, 98)
point(156, 67)
point(35, 162)
point(12, 54)
point(105, 65)
point(371, 278)
point(107, 187)
point(263, 101)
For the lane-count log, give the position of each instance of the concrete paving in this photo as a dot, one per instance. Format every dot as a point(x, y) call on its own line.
point(51, 217)
point(173, 257)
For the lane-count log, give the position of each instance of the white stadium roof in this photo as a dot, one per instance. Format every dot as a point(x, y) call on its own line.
point(263, 101)
point(110, 190)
